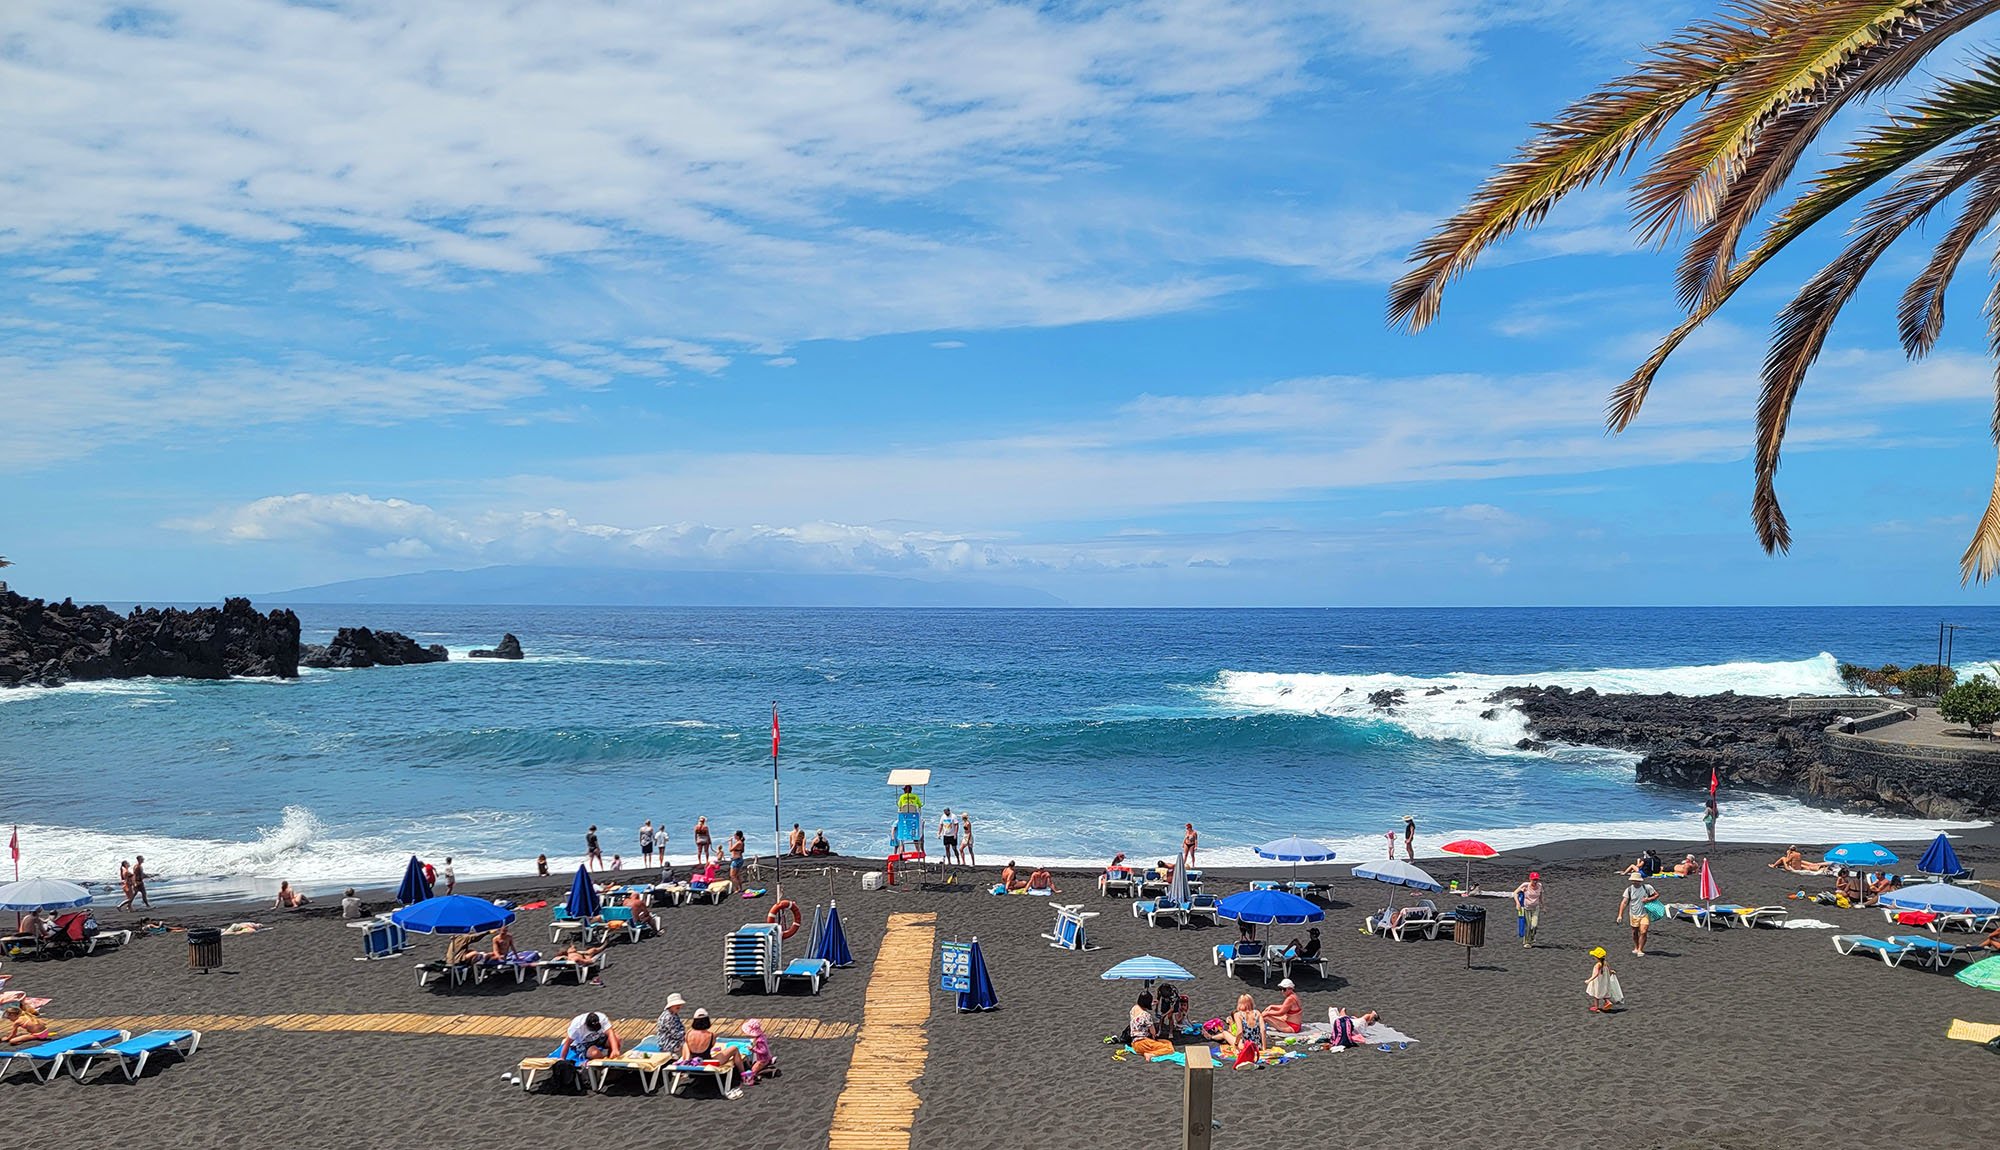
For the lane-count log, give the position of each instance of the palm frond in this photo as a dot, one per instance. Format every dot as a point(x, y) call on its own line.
point(1808, 47)
point(1802, 327)
point(1981, 559)
point(1590, 140)
point(1920, 313)
point(1955, 108)
point(1793, 131)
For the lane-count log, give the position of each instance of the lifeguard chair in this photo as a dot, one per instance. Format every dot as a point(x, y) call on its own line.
point(906, 841)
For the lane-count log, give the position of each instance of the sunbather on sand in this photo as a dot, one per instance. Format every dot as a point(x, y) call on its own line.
point(1289, 1015)
point(289, 899)
point(1796, 863)
point(1247, 1034)
point(1170, 1006)
point(1686, 866)
point(1042, 880)
point(1144, 1026)
point(1347, 1027)
point(1009, 881)
point(24, 1025)
point(1992, 939)
point(1881, 886)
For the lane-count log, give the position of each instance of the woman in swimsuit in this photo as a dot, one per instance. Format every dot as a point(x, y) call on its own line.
point(1251, 1035)
point(700, 1045)
point(701, 840)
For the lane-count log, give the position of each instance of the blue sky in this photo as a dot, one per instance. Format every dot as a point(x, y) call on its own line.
point(1086, 297)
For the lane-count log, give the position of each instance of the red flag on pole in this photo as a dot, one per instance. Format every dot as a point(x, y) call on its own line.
point(774, 730)
point(14, 848)
point(1713, 782)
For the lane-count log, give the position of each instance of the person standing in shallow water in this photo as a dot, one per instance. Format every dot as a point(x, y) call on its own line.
point(125, 883)
point(1189, 841)
point(139, 882)
point(965, 842)
point(701, 840)
point(1410, 838)
point(646, 843)
point(593, 855)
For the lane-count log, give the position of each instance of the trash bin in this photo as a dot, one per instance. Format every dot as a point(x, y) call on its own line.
point(204, 948)
point(1469, 928)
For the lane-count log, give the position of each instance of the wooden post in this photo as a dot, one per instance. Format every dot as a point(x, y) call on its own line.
point(1198, 1099)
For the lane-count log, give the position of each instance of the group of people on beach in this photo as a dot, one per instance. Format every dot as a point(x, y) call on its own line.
point(591, 1035)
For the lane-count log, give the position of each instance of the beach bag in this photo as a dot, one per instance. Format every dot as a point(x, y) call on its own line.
point(566, 1077)
point(1656, 910)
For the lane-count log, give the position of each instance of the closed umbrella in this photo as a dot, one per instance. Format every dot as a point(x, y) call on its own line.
point(1147, 968)
point(833, 940)
point(1708, 893)
point(1177, 887)
point(1295, 850)
point(981, 996)
point(42, 894)
point(1469, 849)
point(583, 901)
point(415, 887)
point(1861, 854)
point(1939, 859)
point(452, 914)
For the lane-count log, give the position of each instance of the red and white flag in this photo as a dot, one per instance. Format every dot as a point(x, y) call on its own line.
point(14, 848)
point(1709, 891)
point(1714, 781)
point(774, 730)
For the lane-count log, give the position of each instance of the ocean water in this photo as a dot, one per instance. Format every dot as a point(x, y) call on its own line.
point(1068, 734)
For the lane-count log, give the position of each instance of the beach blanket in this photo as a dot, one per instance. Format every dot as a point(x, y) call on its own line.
point(1806, 924)
point(245, 928)
point(1379, 1034)
point(533, 905)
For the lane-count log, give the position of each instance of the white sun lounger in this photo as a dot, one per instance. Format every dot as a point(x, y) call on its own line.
point(645, 1059)
point(130, 1056)
point(1891, 953)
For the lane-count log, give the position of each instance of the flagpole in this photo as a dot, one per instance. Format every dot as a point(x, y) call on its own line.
point(777, 825)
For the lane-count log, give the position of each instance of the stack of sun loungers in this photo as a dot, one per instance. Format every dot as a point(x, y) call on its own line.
point(751, 955)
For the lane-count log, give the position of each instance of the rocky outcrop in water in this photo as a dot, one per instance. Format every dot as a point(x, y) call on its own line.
point(1753, 743)
point(508, 648)
point(356, 647)
point(48, 644)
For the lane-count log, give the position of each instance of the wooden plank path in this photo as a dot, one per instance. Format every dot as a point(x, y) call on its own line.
point(879, 1105)
point(484, 1025)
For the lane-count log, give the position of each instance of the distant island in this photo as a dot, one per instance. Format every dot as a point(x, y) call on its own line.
point(623, 587)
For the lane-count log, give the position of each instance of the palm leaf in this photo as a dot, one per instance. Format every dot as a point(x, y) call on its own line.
point(1802, 328)
point(1920, 313)
point(1793, 131)
point(1981, 559)
point(1593, 138)
point(1809, 45)
point(1876, 154)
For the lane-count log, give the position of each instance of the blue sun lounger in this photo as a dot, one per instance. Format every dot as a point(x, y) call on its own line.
point(130, 1055)
point(1891, 953)
point(45, 1059)
point(808, 970)
point(1935, 952)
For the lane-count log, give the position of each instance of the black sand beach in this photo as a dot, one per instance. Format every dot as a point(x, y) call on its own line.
point(1731, 1039)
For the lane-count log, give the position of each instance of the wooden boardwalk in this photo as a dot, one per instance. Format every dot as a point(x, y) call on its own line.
point(876, 1110)
point(483, 1025)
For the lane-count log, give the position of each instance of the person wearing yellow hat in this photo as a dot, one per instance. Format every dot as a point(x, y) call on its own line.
point(1603, 989)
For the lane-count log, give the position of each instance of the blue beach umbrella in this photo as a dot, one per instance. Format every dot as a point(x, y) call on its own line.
point(42, 894)
point(1268, 906)
point(1861, 854)
point(1295, 850)
point(415, 888)
point(452, 914)
point(583, 901)
point(982, 996)
point(1939, 859)
point(832, 945)
point(1147, 968)
point(1940, 898)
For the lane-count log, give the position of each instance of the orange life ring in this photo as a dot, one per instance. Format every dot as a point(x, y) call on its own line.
point(778, 909)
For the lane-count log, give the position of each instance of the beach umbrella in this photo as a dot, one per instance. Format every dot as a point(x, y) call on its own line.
point(1295, 850)
point(42, 894)
point(1396, 872)
point(452, 914)
point(583, 901)
point(1469, 849)
point(415, 887)
point(1177, 886)
point(982, 996)
point(1268, 906)
point(1984, 974)
point(1147, 968)
point(832, 945)
point(1708, 893)
point(1861, 854)
point(1940, 898)
point(1939, 859)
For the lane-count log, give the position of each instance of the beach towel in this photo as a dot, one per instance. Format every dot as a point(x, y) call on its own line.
point(244, 928)
point(538, 905)
point(1805, 924)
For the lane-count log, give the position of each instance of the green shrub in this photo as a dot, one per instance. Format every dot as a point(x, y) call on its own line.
point(1928, 680)
point(1975, 702)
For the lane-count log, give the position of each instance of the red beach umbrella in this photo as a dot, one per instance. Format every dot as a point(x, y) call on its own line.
point(1471, 849)
point(1709, 890)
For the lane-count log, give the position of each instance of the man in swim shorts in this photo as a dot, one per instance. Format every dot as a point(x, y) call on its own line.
point(948, 834)
point(1632, 907)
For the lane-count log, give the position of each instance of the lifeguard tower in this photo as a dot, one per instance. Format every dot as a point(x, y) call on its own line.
point(906, 841)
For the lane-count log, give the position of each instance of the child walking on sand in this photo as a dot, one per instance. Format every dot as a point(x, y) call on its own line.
point(1603, 989)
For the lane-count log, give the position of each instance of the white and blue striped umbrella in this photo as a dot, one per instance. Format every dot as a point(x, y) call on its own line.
point(42, 894)
point(1399, 873)
point(1861, 854)
point(1296, 850)
point(1147, 968)
point(1940, 898)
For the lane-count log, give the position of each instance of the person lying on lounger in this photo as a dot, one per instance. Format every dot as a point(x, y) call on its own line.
point(1881, 886)
point(1307, 949)
point(581, 955)
point(641, 913)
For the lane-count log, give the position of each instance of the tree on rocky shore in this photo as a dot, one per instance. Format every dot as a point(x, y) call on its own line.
point(1975, 702)
point(1763, 90)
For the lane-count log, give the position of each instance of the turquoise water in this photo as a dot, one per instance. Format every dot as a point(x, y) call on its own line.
point(1067, 734)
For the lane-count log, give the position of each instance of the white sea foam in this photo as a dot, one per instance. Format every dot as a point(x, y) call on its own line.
point(1454, 707)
